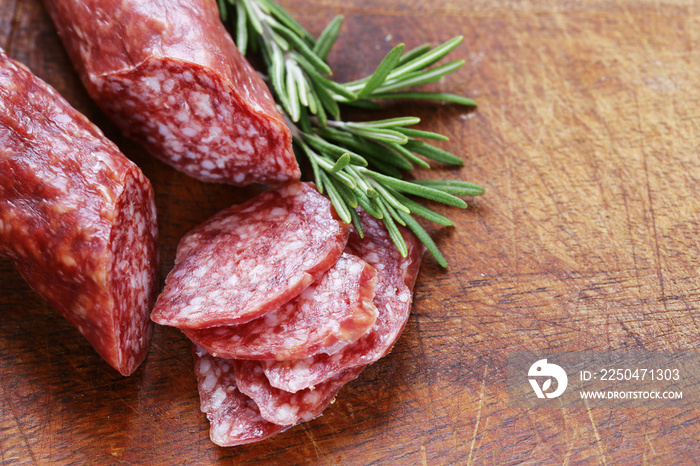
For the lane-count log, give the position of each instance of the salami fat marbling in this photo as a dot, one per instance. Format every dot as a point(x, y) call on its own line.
point(169, 75)
point(333, 312)
point(252, 258)
point(77, 218)
point(396, 276)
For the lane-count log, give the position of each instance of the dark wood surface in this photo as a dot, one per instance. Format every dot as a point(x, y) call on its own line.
point(586, 139)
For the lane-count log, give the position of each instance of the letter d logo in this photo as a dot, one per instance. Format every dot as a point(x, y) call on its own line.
point(543, 369)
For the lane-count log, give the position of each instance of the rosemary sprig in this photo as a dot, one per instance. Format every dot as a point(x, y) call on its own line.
point(357, 164)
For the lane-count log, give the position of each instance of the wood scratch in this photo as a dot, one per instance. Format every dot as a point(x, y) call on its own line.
point(319, 452)
point(423, 456)
point(22, 433)
point(484, 429)
point(651, 447)
point(546, 119)
point(654, 231)
point(572, 442)
point(595, 432)
point(478, 417)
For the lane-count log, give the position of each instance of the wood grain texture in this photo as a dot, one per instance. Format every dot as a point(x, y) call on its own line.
point(586, 139)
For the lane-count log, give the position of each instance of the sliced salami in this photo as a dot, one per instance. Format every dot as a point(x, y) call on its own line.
point(284, 408)
point(77, 218)
point(169, 75)
point(251, 258)
point(333, 312)
point(396, 277)
point(234, 417)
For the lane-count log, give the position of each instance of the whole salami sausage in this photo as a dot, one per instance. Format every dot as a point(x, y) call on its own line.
point(77, 218)
point(170, 76)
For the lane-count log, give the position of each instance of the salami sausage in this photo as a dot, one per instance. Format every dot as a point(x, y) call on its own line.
point(251, 258)
point(169, 75)
point(333, 312)
point(396, 276)
point(284, 408)
point(77, 218)
point(234, 417)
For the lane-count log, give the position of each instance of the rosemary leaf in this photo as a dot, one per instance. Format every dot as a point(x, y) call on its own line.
point(418, 77)
point(393, 213)
point(439, 96)
point(393, 230)
point(369, 148)
point(253, 16)
point(328, 37)
point(428, 58)
point(414, 53)
point(292, 95)
point(382, 167)
point(314, 164)
point(333, 150)
point(425, 238)
point(303, 49)
point(223, 11)
point(420, 209)
point(362, 182)
point(364, 104)
point(390, 199)
point(324, 96)
point(301, 84)
point(289, 21)
point(455, 187)
point(387, 123)
point(304, 124)
point(321, 115)
point(277, 75)
point(380, 74)
point(357, 223)
point(416, 133)
point(417, 189)
point(433, 152)
point(379, 134)
point(369, 206)
point(312, 99)
point(348, 196)
point(336, 199)
point(409, 155)
point(323, 81)
point(341, 163)
point(241, 28)
point(339, 175)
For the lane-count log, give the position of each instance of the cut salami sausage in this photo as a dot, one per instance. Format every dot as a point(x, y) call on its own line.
point(234, 417)
point(284, 408)
point(77, 218)
point(396, 277)
point(333, 312)
point(251, 258)
point(169, 75)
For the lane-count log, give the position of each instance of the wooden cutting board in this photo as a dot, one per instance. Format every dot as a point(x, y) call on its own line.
point(586, 139)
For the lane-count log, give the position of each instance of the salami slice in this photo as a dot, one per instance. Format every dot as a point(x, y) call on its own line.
point(333, 312)
point(234, 417)
point(284, 408)
point(396, 276)
point(169, 75)
point(77, 218)
point(251, 258)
